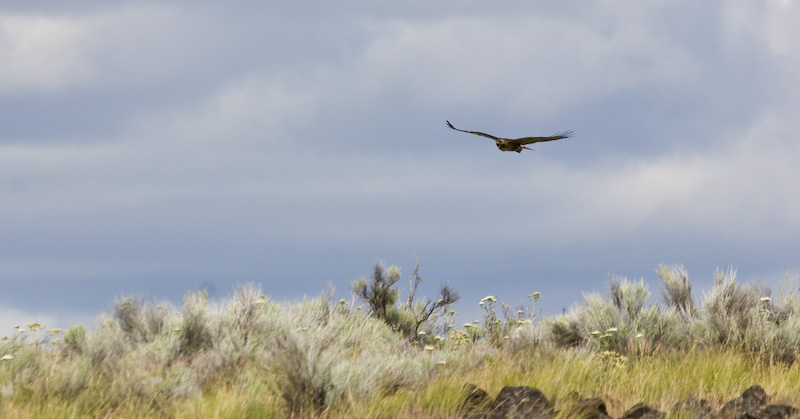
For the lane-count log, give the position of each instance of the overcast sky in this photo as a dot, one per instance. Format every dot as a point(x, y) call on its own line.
point(156, 148)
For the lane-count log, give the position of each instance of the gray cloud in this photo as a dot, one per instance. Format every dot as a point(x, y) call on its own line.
point(290, 147)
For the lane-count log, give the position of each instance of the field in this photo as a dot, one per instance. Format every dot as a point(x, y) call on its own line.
point(381, 355)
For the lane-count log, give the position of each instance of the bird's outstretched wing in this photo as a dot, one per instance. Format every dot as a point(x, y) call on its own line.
point(531, 140)
point(482, 134)
point(521, 141)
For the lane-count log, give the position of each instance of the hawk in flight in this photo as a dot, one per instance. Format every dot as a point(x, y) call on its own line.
point(507, 144)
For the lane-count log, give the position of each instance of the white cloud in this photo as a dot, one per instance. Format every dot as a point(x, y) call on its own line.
point(42, 53)
point(781, 29)
point(743, 191)
point(136, 45)
point(772, 22)
point(505, 63)
point(247, 109)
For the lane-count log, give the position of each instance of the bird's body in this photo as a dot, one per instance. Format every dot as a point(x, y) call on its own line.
point(518, 144)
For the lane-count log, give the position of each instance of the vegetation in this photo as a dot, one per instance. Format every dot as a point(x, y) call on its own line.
point(248, 356)
point(381, 298)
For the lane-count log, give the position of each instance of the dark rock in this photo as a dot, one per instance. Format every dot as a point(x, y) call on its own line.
point(755, 394)
point(745, 406)
point(530, 403)
point(476, 400)
point(778, 411)
point(519, 403)
point(642, 411)
point(594, 408)
point(692, 407)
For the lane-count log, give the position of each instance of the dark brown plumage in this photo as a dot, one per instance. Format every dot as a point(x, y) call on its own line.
point(507, 144)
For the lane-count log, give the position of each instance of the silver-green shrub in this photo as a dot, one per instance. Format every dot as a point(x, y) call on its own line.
point(732, 315)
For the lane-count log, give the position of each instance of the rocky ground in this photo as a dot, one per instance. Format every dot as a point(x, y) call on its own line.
point(530, 403)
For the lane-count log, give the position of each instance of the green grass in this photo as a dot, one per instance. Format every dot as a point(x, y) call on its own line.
point(660, 381)
point(251, 357)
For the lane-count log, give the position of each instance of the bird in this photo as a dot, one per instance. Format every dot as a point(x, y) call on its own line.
point(518, 144)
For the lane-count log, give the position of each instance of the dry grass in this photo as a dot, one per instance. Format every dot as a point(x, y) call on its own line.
point(660, 381)
point(251, 357)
